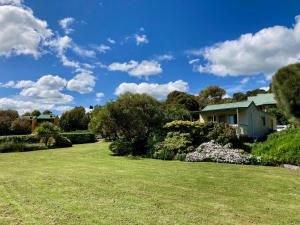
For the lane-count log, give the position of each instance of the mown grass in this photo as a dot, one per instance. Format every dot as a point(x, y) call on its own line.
point(86, 185)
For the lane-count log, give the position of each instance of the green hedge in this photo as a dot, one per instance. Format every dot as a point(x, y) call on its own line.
point(280, 148)
point(21, 147)
point(80, 138)
point(29, 139)
point(75, 138)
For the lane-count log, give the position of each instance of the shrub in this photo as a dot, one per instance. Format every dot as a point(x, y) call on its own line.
point(63, 142)
point(28, 139)
point(6, 119)
point(174, 143)
point(223, 134)
point(20, 147)
point(121, 147)
point(21, 126)
point(181, 156)
point(75, 119)
point(280, 148)
point(80, 137)
point(197, 130)
point(47, 130)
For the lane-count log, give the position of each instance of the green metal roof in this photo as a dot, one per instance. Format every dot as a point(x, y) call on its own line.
point(263, 99)
point(234, 105)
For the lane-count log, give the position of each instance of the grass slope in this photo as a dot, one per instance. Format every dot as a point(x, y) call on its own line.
point(85, 185)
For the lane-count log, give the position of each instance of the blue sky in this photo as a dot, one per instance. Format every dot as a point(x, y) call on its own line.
point(62, 53)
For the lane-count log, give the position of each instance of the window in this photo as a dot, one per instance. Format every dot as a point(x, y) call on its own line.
point(232, 119)
point(263, 120)
point(222, 119)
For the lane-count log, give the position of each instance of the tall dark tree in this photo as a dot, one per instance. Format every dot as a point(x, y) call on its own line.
point(36, 113)
point(213, 94)
point(286, 87)
point(131, 118)
point(239, 96)
point(75, 119)
point(188, 101)
point(256, 92)
point(47, 112)
point(26, 114)
point(6, 119)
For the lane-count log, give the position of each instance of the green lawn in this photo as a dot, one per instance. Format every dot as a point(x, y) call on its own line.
point(86, 185)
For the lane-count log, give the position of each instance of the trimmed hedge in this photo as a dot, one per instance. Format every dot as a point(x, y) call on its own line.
point(75, 138)
point(280, 148)
point(29, 139)
point(21, 147)
point(80, 138)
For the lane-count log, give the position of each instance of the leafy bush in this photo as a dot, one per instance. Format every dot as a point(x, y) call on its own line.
point(63, 142)
point(20, 147)
point(80, 137)
point(174, 143)
point(198, 131)
point(75, 119)
point(280, 148)
point(121, 147)
point(47, 131)
point(6, 119)
point(223, 134)
point(181, 156)
point(28, 139)
point(21, 126)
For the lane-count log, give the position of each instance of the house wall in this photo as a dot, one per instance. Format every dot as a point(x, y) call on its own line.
point(250, 122)
point(256, 127)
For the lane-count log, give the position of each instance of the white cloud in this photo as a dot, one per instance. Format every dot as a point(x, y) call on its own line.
point(143, 69)
point(265, 88)
point(103, 48)
point(23, 106)
point(253, 54)
point(245, 80)
point(194, 61)
point(99, 96)
point(159, 91)
point(48, 90)
point(124, 67)
point(165, 57)
point(62, 44)
point(83, 82)
point(65, 24)
point(141, 39)
point(19, 84)
point(110, 40)
point(11, 2)
point(83, 52)
point(21, 33)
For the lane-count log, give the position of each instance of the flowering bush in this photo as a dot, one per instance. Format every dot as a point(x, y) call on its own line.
point(214, 152)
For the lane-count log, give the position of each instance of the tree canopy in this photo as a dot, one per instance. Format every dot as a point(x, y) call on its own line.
point(188, 101)
point(74, 119)
point(286, 87)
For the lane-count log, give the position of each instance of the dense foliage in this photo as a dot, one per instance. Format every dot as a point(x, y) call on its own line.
point(47, 133)
point(175, 143)
point(6, 119)
point(80, 137)
point(286, 86)
point(21, 126)
point(20, 147)
point(281, 147)
point(19, 138)
point(280, 117)
point(183, 99)
point(75, 119)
